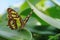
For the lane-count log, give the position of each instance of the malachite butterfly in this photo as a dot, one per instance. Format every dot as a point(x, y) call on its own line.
point(14, 20)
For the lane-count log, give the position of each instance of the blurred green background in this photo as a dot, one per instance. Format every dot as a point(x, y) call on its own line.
point(44, 24)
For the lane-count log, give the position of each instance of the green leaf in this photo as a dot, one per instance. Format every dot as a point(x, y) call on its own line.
point(56, 37)
point(44, 17)
point(26, 6)
point(26, 11)
point(54, 12)
point(9, 34)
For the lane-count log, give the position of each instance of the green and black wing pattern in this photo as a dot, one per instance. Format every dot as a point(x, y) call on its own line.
point(13, 17)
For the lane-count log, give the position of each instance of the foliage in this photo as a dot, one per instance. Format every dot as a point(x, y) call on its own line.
point(42, 25)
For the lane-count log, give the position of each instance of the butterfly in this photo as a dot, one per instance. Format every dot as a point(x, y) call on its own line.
point(15, 21)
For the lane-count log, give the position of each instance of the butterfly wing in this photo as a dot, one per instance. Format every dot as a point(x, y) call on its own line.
point(27, 18)
point(12, 18)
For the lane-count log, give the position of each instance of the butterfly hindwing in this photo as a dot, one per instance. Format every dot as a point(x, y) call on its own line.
point(27, 18)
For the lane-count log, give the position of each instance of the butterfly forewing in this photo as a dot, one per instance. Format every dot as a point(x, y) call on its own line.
point(12, 18)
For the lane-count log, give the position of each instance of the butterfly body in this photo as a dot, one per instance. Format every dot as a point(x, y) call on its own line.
point(14, 20)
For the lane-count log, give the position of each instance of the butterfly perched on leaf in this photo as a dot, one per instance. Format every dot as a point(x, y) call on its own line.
point(15, 21)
